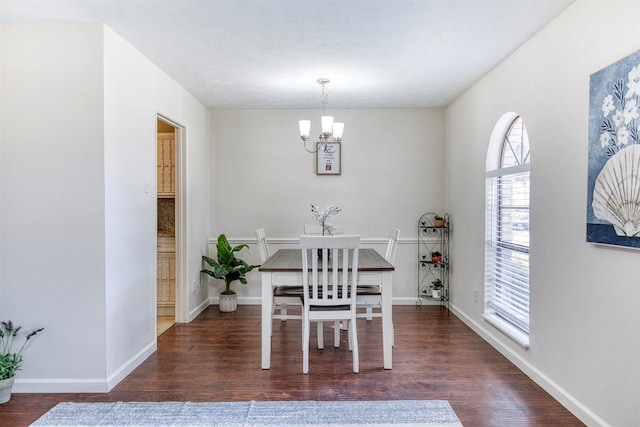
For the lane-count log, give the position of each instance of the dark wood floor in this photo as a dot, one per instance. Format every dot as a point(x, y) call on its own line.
point(217, 358)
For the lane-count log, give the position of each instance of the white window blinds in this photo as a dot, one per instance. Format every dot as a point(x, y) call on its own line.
point(507, 231)
point(507, 260)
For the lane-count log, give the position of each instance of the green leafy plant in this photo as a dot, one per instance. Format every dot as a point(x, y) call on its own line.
point(228, 267)
point(438, 217)
point(10, 360)
point(437, 284)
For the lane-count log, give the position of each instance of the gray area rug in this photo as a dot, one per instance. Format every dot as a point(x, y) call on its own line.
point(424, 413)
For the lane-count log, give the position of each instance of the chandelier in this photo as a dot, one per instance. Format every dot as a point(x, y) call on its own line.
point(330, 129)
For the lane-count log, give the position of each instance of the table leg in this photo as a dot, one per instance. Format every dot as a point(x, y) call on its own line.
point(387, 319)
point(267, 301)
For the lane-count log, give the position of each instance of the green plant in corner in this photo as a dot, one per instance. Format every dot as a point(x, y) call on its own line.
point(438, 218)
point(10, 360)
point(228, 267)
point(437, 284)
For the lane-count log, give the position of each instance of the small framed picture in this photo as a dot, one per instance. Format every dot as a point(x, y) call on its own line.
point(329, 158)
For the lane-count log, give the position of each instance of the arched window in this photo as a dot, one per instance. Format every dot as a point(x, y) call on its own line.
point(507, 229)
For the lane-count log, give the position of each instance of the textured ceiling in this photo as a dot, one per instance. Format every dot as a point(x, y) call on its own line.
point(269, 53)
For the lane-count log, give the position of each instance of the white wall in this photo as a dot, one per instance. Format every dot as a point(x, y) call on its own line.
point(78, 231)
point(52, 213)
point(135, 92)
point(392, 172)
point(585, 324)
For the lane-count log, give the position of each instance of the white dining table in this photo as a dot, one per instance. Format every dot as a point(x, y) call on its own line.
point(284, 268)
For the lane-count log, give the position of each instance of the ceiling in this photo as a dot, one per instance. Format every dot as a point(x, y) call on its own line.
point(269, 53)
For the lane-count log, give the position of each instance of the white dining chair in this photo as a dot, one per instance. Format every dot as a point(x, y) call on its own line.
point(329, 295)
point(316, 230)
point(370, 296)
point(284, 297)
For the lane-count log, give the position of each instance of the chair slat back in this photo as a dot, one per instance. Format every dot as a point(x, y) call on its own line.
point(392, 245)
point(262, 244)
point(331, 278)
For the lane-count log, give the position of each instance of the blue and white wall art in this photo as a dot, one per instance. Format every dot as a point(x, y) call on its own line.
point(613, 201)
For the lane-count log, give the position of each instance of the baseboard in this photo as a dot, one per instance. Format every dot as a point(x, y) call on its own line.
point(83, 385)
point(567, 400)
point(199, 309)
point(60, 385)
point(128, 367)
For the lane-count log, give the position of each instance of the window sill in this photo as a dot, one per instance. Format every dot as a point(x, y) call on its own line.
point(518, 336)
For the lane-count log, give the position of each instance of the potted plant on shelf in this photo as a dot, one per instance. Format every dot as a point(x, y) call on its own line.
point(10, 361)
point(438, 221)
point(436, 288)
point(228, 268)
point(436, 256)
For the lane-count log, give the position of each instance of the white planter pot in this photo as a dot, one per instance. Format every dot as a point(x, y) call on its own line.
point(228, 303)
point(5, 389)
point(436, 293)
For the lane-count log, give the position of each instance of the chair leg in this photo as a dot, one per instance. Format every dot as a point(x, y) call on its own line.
point(320, 335)
point(306, 327)
point(336, 334)
point(273, 310)
point(393, 335)
point(354, 345)
point(283, 313)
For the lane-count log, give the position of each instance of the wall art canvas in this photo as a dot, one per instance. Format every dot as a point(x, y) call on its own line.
point(613, 200)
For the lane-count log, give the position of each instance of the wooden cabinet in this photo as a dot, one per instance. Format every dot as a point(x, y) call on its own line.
point(166, 165)
point(166, 292)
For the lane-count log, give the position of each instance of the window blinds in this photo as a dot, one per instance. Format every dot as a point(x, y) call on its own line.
point(507, 252)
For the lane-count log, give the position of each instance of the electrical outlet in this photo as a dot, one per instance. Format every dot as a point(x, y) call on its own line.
point(475, 296)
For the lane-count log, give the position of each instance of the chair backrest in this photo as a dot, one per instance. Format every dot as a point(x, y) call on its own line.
point(316, 229)
point(394, 234)
point(332, 277)
point(262, 244)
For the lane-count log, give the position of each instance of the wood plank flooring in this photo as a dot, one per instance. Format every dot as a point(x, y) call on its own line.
point(217, 358)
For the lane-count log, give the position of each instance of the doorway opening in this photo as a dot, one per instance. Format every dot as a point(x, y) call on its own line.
point(170, 295)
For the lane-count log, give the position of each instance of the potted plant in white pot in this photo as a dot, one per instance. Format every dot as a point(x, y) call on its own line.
point(10, 360)
point(436, 288)
point(228, 268)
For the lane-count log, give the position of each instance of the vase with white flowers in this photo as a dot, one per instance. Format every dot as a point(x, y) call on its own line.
point(10, 360)
point(321, 215)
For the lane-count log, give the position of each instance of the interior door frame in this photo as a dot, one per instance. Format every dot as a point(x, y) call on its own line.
point(182, 288)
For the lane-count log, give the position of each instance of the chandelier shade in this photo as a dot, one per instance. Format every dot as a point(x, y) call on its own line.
point(305, 129)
